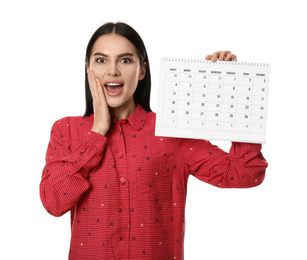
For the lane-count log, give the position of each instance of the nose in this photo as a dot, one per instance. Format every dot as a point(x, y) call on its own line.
point(113, 69)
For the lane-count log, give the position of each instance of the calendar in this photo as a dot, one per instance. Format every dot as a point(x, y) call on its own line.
point(213, 100)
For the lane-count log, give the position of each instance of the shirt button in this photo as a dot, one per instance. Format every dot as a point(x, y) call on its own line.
point(120, 153)
point(122, 179)
point(123, 122)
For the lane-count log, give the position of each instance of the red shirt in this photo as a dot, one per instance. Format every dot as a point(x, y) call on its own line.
point(127, 190)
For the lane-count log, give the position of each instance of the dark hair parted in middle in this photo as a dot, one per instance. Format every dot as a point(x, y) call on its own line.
point(142, 93)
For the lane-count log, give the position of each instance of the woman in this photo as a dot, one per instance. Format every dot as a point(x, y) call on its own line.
point(125, 187)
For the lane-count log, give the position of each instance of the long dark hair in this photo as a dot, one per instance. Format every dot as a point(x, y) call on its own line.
point(142, 92)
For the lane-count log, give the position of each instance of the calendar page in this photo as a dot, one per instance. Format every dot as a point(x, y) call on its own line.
point(213, 100)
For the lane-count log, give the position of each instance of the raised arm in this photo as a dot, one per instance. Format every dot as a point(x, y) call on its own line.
point(243, 167)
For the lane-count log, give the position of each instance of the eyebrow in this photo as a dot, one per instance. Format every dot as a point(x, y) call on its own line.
point(121, 55)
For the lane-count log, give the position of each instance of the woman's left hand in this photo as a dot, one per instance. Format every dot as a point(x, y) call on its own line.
point(222, 55)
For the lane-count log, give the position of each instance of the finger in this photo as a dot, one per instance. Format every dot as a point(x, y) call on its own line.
point(231, 57)
point(215, 56)
point(221, 55)
point(224, 54)
point(228, 57)
point(99, 97)
point(92, 84)
point(100, 91)
point(89, 79)
point(208, 57)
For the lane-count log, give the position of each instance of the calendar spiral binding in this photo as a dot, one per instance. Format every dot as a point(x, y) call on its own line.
point(193, 60)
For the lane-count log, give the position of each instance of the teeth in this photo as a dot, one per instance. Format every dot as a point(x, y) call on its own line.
point(113, 84)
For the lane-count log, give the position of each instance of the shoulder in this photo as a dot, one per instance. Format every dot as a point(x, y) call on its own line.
point(151, 116)
point(71, 121)
point(71, 125)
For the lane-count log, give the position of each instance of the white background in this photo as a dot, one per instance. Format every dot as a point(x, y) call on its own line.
point(42, 79)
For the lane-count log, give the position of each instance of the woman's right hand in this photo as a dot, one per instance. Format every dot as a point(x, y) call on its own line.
point(102, 118)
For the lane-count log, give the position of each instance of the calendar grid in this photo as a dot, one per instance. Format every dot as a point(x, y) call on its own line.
point(225, 101)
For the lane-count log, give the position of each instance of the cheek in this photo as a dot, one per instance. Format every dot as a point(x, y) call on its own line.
point(133, 84)
point(97, 72)
point(96, 68)
point(133, 77)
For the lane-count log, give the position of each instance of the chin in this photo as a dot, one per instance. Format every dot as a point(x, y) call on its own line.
point(113, 101)
point(114, 105)
point(120, 103)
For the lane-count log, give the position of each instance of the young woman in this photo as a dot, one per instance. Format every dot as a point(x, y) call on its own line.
point(125, 187)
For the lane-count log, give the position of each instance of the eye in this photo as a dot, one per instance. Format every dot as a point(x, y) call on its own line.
point(100, 60)
point(125, 60)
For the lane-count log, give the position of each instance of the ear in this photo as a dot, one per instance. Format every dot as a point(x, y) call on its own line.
point(143, 71)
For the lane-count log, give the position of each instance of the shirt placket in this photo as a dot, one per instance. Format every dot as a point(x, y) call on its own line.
point(124, 203)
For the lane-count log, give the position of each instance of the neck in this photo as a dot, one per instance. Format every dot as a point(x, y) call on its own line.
point(122, 112)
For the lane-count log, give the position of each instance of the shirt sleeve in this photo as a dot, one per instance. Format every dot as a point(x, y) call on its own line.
point(243, 167)
point(65, 175)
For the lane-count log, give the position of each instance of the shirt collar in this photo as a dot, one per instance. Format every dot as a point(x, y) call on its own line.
point(138, 117)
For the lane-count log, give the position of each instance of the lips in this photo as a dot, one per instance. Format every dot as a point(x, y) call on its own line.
point(114, 88)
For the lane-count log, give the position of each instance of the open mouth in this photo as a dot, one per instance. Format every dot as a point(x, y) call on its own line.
point(114, 88)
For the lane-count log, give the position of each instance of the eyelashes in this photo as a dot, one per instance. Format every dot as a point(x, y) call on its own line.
point(101, 60)
point(123, 60)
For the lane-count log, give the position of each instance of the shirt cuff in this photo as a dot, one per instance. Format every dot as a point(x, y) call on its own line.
point(94, 139)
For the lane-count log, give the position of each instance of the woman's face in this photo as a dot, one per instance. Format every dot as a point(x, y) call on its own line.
point(115, 62)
